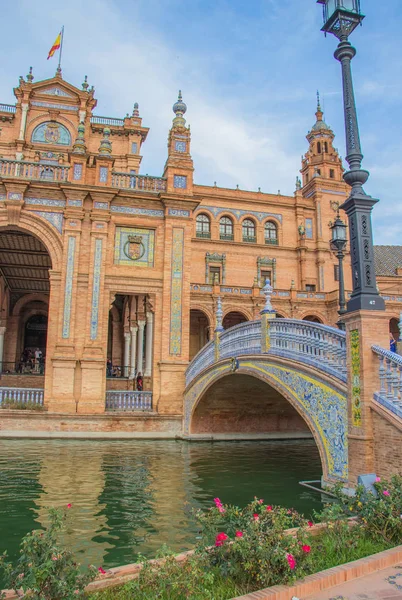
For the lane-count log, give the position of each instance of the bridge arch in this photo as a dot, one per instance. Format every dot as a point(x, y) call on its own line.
point(319, 401)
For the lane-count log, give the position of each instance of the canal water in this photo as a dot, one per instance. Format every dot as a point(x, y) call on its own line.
point(132, 496)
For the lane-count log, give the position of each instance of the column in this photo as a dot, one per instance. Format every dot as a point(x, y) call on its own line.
point(140, 351)
point(24, 113)
point(149, 344)
point(127, 340)
point(134, 329)
point(2, 332)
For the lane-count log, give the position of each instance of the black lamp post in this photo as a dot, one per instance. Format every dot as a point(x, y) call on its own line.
point(338, 243)
point(341, 17)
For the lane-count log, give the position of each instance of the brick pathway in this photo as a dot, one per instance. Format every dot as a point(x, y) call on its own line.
point(382, 585)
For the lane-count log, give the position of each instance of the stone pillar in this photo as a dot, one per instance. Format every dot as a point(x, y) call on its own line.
point(2, 332)
point(364, 328)
point(133, 329)
point(127, 343)
point(149, 344)
point(267, 314)
point(140, 349)
point(24, 113)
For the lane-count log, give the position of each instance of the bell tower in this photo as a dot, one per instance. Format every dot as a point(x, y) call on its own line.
point(179, 164)
point(321, 159)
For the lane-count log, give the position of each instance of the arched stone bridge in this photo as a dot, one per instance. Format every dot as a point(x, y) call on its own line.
point(305, 363)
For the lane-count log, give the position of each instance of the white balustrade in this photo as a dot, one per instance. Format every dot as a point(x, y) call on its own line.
point(8, 108)
point(22, 395)
point(390, 380)
point(32, 170)
point(124, 400)
point(107, 121)
point(132, 181)
point(311, 343)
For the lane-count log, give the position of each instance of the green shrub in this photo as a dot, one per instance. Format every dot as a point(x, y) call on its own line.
point(45, 569)
point(18, 405)
point(379, 514)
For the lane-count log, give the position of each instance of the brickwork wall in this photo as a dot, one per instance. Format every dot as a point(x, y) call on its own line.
point(243, 404)
point(387, 445)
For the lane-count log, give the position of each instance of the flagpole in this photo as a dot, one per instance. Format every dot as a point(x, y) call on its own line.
point(61, 50)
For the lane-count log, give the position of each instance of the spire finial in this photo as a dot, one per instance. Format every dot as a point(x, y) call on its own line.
point(30, 77)
point(136, 112)
point(85, 84)
point(179, 109)
point(319, 113)
point(105, 147)
point(318, 101)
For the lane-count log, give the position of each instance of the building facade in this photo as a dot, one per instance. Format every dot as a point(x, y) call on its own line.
point(109, 273)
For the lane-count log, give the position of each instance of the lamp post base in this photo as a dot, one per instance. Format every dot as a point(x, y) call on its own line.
point(365, 302)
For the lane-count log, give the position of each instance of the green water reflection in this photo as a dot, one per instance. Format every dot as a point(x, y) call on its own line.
point(130, 496)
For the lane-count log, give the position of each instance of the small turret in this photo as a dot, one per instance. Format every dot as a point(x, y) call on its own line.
point(105, 147)
point(79, 146)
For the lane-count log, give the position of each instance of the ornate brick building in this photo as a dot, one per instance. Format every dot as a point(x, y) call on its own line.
point(98, 261)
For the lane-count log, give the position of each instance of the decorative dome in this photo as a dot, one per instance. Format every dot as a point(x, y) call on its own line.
point(320, 124)
point(179, 107)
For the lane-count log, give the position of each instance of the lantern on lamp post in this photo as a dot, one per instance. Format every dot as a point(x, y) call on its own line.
point(341, 17)
point(338, 243)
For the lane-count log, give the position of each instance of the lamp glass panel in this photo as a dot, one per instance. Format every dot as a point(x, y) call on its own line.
point(340, 232)
point(331, 6)
point(348, 5)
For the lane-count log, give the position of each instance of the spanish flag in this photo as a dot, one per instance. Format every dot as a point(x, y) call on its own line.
point(55, 46)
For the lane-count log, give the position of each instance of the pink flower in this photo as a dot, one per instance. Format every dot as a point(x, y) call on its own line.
point(256, 517)
point(239, 534)
point(377, 479)
point(306, 548)
point(289, 511)
point(310, 523)
point(101, 570)
point(54, 557)
point(291, 561)
point(69, 505)
point(386, 493)
point(261, 501)
point(219, 505)
point(220, 538)
point(269, 508)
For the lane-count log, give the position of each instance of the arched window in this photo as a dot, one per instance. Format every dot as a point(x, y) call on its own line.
point(226, 228)
point(319, 147)
point(249, 231)
point(271, 233)
point(202, 226)
point(325, 146)
point(51, 133)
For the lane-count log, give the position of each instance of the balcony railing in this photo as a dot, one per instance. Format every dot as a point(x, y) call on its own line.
point(249, 239)
point(390, 377)
point(123, 400)
point(8, 108)
point(226, 237)
point(32, 170)
point(147, 183)
point(22, 395)
point(107, 121)
point(205, 235)
point(271, 241)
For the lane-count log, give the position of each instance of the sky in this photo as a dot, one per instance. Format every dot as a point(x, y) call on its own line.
point(248, 71)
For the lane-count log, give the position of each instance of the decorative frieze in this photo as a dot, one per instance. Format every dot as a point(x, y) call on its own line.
point(55, 219)
point(217, 210)
point(174, 212)
point(45, 202)
point(131, 210)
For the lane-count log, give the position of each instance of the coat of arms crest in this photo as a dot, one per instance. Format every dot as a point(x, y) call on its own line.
point(134, 248)
point(52, 133)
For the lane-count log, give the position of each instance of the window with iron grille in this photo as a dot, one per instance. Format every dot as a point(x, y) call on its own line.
point(202, 226)
point(270, 233)
point(226, 228)
point(248, 228)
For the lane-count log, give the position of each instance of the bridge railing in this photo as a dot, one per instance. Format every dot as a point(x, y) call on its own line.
point(128, 400)
point(390, 377)
point(310, 343)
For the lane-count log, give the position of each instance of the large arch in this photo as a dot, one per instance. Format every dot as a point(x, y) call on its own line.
point(320, 401)
point(234, 317)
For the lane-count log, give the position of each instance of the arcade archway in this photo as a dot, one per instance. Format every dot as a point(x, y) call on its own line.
point(233, 318)
point(199, 331)
point(24, 271)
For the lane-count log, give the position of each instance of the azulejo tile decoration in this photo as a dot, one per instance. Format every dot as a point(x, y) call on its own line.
point(53, 105)
point(131, 210)
point(176, 291)
point(96, 288)
point(55, 219)
point(323, 407)
point(14, 196)
point(101, 205)
point(180, 181)
point(356, 389)
point(56, 91)
point(2, 197)
point(45, 202)
point(51, 133)
point(134, 246)
point(308, 223)
point(74, 202)
point(216, 211)
point(174, 212)
point(69, 287)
